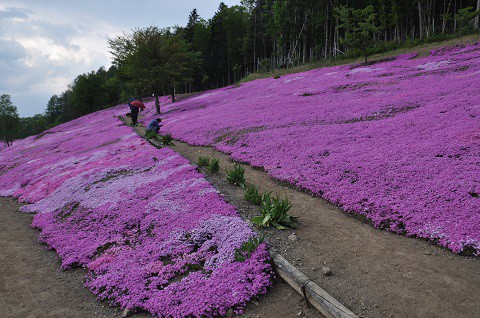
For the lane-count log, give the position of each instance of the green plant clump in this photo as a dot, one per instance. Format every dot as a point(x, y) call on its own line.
point(214, 165)
point(203, 161)
point(274, 212)
point(166, 139)
point(252, 195)
point(247, 248)
point(236, 176)
point(150, 134)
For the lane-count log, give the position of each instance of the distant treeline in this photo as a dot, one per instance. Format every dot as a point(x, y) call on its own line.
point(257, 36)
point(88, 93)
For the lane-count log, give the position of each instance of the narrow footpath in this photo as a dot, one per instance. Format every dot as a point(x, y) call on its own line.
point(281, 300)
point(31, 282)
point(374, 273)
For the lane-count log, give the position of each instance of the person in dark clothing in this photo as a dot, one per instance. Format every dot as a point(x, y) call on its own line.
point(133, 112)
point(154, 125)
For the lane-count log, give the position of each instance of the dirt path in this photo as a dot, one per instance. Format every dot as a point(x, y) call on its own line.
point(375, 273)
point(33, 286)
point(281, 300)
point(31, 282)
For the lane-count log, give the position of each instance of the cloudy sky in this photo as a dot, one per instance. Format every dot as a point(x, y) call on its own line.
point(45, 44)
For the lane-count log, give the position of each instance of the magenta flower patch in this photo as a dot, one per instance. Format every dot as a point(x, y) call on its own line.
point(397, 142)
point(153, 233)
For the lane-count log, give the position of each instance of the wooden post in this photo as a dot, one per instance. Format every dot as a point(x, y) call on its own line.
point(319, 298)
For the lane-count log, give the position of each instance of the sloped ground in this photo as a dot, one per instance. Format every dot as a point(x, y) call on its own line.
point(153, 234)
point(31, 284)
point(396, 142)
point(375, 273)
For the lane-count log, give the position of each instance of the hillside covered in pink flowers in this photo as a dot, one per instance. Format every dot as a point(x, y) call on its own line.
point(397, 142)
point(152, 232)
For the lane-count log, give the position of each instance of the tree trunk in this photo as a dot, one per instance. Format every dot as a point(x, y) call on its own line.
point(4, 133)
point(157, 103)
point(255, 38)
point(337, 38)
point(173, 93)
point(454, 17)
point(420, 19)
point(477, 23)
point(325, 52)
point(444, 17)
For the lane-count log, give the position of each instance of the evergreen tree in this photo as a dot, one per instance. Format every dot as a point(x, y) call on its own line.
point(193, 20)
point(359, 26)
point(30, 126)
point(465, 19)
point(217, 56)
point(87, 94)
point(54, 110)
point(9, 120)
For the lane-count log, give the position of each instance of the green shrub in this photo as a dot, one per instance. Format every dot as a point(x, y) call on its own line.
point(237, 176)
point(166, 139)
point(214, 165)
point(252, 195)
point(149, 134)
point(247, 248)
point(203, 161)
point(274, 212)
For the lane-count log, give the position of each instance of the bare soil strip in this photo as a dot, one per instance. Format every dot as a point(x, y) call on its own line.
point(31, 282)
point(375, 273)
point(281, 300)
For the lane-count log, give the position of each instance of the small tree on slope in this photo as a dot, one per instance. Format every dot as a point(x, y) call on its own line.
point(152, 60)
point(359, 26)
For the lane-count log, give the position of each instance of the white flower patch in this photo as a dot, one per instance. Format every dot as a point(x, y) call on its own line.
point(203, 96)
point(32, 161)
point(433, 231)
point(206, 191)
point(181, 186)
point(361, 70)
point(169, 206)
point(70, 191)
point(433, 65)
point(293, 79)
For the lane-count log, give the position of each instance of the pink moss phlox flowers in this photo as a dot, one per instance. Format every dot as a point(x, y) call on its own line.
point(153, 233)
point(397, 142)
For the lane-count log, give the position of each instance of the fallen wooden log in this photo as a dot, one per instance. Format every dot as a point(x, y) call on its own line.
point(314, 294)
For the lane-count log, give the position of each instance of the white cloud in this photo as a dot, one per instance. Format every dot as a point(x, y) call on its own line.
point(15, 14)
point(40, 58)
point(45, 45)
